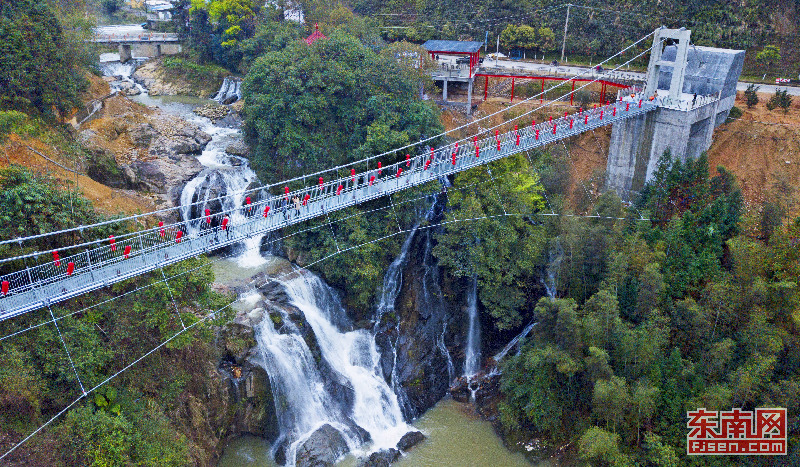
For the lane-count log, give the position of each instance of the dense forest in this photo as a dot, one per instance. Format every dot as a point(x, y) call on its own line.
point(684, 298)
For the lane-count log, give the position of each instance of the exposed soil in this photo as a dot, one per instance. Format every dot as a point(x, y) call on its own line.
point(762, 145)
point(107, 200)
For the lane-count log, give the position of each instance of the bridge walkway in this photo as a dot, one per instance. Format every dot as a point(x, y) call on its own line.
point(145, 251)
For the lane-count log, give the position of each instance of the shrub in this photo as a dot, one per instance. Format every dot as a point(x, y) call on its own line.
point(751, 96)
point(781, 99)
point(734, 114)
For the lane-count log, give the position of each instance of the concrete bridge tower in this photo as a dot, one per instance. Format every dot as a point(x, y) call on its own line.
point(695, 88)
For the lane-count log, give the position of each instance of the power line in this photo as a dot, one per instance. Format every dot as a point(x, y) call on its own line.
point(326, 171)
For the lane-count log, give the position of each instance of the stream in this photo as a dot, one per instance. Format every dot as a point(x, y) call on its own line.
point(338, 385)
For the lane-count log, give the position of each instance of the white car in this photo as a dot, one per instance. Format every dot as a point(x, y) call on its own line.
point(494, 55)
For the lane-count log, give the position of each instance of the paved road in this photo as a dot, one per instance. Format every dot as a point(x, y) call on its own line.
point(120, 29)
point(574, 70)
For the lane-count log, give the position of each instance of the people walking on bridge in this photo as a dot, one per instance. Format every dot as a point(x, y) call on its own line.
point(226, 221)
point(296, 201)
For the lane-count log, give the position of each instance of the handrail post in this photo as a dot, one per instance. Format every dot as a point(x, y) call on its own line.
point(89, 262)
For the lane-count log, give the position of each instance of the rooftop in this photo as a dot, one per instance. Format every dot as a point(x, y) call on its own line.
point(463, 47)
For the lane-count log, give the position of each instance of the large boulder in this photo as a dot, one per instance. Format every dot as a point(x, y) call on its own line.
point(381, 458)
point(409, 440)
point(322, 448)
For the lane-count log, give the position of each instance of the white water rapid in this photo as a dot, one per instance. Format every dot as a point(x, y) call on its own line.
point(472, 359)
point(298, 385)
point(353, 355)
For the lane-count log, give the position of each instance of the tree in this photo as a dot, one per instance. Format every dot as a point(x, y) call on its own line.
point(751, 95)
point(111, 6)
point(602, 447)
point(610, 401)
point(501, 252)
point(312, 107)
point(781, 99)
point(508, 38)
point(39, 67)
point(546, 39)
point(769, 55)
point(526, 38)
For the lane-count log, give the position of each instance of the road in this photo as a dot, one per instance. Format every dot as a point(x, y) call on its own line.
point(586, 72)
point(120, 29)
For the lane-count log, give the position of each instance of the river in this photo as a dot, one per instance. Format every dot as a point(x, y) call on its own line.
point(456, 437)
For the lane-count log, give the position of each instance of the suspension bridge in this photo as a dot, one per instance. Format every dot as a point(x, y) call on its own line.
point(100, 263)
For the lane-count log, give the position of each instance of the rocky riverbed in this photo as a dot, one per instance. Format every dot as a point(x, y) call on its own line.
point(136, 147)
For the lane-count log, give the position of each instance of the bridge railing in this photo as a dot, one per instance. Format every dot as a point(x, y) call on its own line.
point(144, 37)
point(136, 253)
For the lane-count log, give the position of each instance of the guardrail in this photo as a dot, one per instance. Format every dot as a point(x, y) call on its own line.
point(146, 37)
point(64, 278)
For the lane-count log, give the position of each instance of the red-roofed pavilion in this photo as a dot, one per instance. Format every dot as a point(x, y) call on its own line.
point(315, 36)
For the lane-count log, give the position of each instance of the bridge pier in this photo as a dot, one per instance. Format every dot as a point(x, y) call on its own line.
point(694, 88)
point(444, 90)
point(124, 53)
point(469, 96)
point(158, 50)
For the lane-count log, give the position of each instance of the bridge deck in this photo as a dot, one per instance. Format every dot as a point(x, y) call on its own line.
point(148, 37)
point(38, 286)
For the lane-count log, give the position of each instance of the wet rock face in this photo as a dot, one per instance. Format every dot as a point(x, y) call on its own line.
point(322, 448)
point(409, 440)
point(427, 324)
point(382, 458)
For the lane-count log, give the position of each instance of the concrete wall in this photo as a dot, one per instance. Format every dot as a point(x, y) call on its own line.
point(708, 70)
point(638, 143)
point(149, 50)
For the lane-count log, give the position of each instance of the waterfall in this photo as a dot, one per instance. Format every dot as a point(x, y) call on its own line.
point(554, 258)
point(353, 355)
point(472, 360)
point(229, 91)
point(392, 283)
point(122, 72)
point(226, 176)
point(305, 404)
point(451, 371)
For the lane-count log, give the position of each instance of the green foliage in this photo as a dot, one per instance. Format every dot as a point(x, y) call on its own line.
point(684, 312)
point(527, 38)
point(751, 95)
point(39, 63)
point(781, 99)
point(309, 108)
point(111, 6)
point(602, 448)
point(104, 439)
point(769, 55)
point(31, 204)
point(500, 251)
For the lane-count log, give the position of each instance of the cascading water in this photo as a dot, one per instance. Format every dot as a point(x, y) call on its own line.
point(353, 355)
point(472, 359)
point(229, 91)
point(451, 370)
point(297, 384)
point(555, 256)
point(392, 283)
point(225, 175)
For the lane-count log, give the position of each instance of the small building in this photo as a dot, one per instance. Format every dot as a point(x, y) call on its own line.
point(461, 72)
point(315, 36)
point(469, 48)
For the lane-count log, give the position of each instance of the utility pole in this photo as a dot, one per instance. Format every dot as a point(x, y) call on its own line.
point(566, 24)
point(497, 52)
